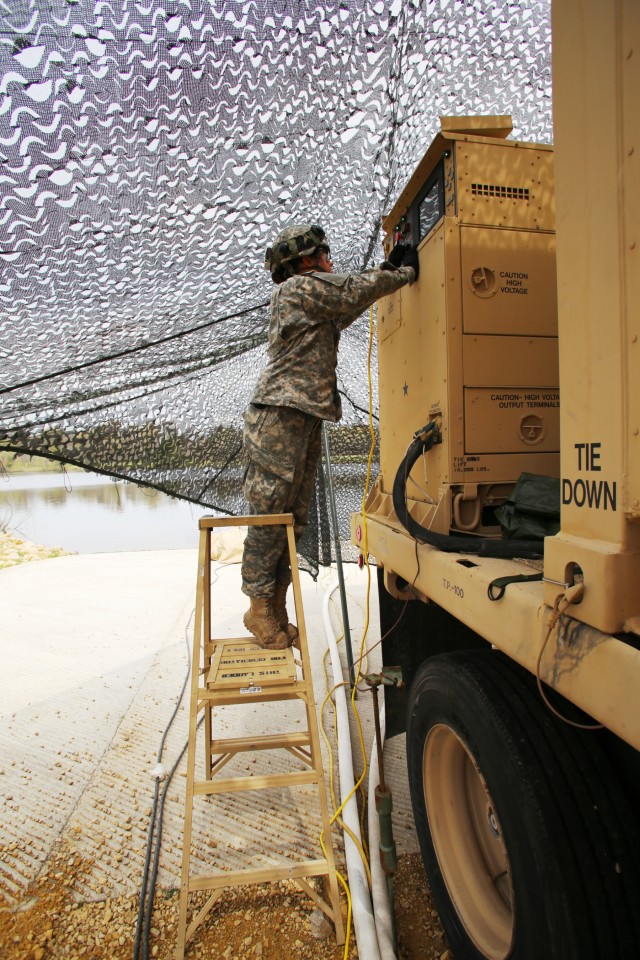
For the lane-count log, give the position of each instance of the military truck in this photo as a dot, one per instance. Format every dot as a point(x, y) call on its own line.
point(505, 521)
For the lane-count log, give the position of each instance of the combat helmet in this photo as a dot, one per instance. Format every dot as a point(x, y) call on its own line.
point(296, 241)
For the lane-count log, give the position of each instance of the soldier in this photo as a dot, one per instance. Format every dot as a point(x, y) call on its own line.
point(295, 392)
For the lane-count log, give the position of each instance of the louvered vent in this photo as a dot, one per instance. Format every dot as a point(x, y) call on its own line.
point(502, 193)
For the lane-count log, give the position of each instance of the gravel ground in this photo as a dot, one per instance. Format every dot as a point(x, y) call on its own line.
point(271, 922)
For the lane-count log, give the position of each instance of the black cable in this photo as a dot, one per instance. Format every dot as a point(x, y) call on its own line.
point(156, 855)
point(343, 393)
point(145, 872)
point(154, 810)
point(187, 371)
point(482, 546)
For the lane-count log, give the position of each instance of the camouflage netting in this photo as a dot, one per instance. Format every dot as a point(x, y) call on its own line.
point(149, 150)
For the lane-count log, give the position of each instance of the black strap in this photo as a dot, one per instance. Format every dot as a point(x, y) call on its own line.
point(502, 583)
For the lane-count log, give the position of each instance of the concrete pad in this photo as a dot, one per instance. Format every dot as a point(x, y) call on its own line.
point(78, 635)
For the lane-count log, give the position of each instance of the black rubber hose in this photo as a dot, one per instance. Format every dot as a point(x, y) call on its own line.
point(137, 944)
point(156, 854)
point(480, 546)
point(145, 903)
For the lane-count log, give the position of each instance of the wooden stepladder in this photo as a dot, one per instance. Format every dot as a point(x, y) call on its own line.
point(232, 672)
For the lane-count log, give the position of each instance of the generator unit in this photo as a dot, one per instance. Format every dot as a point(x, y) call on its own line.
point(518, 642)
point(473, 344)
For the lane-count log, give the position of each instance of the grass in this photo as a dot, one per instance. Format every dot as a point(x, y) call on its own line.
point(27, 463)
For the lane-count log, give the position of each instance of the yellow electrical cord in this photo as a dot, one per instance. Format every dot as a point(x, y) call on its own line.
point(338, 810)
point(361, 848)
point(347, 935)
point(360, 781)
point(336, 816)
point(363, 654)
point(365, 494)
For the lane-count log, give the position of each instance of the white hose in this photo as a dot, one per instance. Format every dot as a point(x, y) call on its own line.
point(379, 889)
point(363, 921)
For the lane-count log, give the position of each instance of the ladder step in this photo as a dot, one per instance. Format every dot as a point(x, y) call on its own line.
point(254, 694)
point(251, 520)
point(305, 868)
point(234, 784)
point(280, 741)
point(241, 646)
point(242, 663)
point(244, 644)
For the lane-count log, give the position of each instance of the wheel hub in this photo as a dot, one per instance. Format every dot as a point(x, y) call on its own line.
point(468, 842)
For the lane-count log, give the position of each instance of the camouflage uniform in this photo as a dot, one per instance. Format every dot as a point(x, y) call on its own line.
point(295, 392)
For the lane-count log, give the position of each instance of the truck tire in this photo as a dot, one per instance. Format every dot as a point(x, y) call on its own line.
point(529, 843)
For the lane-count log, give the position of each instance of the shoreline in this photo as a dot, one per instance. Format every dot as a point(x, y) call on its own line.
point(15, 550)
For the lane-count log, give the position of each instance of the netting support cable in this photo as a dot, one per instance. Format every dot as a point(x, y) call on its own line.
point(131, 350)
point(336, 541)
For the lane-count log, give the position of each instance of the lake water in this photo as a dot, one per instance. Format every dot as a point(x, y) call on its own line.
point(87, 513)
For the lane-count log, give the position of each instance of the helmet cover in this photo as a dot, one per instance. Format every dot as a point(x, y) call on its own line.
point(298, 240)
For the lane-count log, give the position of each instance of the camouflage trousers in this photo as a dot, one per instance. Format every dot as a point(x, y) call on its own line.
point(283, 446)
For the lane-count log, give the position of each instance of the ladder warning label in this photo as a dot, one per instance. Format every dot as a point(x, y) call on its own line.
point(585, 491)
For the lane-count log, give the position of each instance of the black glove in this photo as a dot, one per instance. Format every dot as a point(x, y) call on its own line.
point(410, 259)
point(396, 255)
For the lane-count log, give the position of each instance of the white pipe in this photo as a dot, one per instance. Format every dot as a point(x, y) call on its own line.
point(379, 889)
point(363, 921)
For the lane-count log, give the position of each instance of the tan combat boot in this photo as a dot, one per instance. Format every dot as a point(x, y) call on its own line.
point(280, 611)
point(261, 622)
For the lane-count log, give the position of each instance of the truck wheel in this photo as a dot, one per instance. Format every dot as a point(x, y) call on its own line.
point(529, 844)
